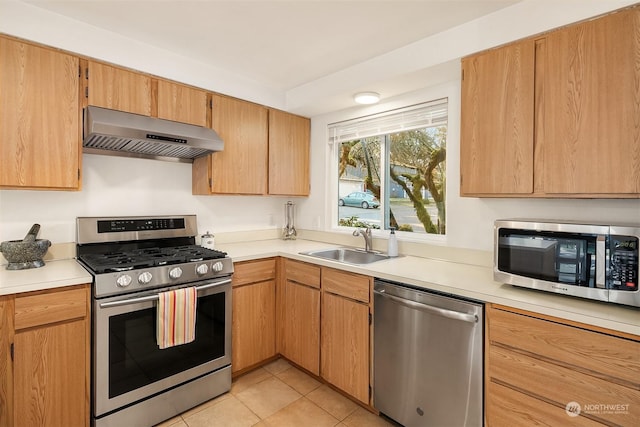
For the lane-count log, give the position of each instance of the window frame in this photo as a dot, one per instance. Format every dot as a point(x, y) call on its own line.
point(333, 179)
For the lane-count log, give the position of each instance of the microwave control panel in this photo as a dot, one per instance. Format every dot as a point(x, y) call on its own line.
point(624, 263)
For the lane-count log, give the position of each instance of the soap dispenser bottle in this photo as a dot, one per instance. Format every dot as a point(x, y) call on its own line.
point(393, 243)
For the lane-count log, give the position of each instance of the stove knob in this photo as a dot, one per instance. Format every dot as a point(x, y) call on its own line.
point(217, 267)
point(144, 278)
point(202, 269)
point(123, 281)
point(175, 273)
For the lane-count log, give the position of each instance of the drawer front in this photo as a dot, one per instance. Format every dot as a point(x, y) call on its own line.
point(350, 285)
point(507, 407)
point(603, 355)
point(303, 273)
point(41, 308)
point(568, 385)
point(253, 271)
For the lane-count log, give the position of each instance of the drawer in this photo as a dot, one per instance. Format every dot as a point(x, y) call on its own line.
point(253, 271)
point(602, 354)
point(42, 308)
point(302, 272)
point(534, 376)
point(350, 285)
point(507, 407)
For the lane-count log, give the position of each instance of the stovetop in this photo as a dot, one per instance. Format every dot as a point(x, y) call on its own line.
point(100, 263)
point(138, 254)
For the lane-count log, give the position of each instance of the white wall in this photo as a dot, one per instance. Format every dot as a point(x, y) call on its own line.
point(116, 186)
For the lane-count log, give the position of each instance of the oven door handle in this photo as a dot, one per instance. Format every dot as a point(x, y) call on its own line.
point(156, 297)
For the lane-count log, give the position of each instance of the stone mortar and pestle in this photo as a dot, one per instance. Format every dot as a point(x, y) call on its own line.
point(25, 253)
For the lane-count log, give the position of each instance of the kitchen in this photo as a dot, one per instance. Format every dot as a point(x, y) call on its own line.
point(109, 183)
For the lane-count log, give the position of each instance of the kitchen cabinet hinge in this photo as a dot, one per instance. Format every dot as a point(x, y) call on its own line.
point(79, 71)
point(86, 73)
point(86, 92)
point(11, 351)
point(211, 104)
point(78, 174)
point(462, 77)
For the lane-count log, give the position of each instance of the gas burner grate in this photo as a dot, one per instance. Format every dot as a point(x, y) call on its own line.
point(148, 257)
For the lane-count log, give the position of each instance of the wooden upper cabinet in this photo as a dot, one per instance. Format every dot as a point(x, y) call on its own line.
point(289, 140)
point(496, 141)
point(241, 168)
point(182, 103)
point(555, 115)
point(40, 140)
point(119, 89)
point(590, 78)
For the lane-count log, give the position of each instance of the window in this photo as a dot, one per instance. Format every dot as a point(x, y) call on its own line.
point(391, 169)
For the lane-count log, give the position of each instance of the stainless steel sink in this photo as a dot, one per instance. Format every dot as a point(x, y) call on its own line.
point(348, 255)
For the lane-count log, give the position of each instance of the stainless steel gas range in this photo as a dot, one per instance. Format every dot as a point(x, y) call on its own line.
point(133, 260)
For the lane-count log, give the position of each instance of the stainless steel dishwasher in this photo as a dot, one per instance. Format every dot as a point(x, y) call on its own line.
point(428, 358)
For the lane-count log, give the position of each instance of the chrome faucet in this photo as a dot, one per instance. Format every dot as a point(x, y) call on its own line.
point(366, 233)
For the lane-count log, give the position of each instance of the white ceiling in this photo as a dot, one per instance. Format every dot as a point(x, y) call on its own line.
point(278, 44)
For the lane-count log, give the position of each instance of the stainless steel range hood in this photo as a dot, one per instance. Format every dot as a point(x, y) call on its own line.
point(117, 133)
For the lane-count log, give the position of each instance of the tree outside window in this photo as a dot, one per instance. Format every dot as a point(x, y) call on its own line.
point(404, 171)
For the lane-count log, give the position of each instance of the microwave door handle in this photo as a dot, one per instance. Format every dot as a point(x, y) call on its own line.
point(600, 262)
point(156, 297)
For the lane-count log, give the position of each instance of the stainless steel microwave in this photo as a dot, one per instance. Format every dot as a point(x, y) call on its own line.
point(595, 261)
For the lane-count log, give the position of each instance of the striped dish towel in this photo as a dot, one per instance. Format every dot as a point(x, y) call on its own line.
point(176, 317)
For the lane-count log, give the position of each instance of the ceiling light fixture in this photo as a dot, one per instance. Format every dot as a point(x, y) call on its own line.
point(366, 97)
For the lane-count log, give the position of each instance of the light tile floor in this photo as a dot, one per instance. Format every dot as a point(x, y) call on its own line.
point(278, 395)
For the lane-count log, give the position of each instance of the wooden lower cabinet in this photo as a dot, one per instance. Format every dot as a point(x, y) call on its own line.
point(254, 314)
point(45, 378)
point(345, 345)
point(300, 314)
point(542, 371)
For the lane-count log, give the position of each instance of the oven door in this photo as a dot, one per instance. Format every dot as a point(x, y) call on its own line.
point(128, 365)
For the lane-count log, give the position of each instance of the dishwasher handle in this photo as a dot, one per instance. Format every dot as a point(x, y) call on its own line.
point(451, 314)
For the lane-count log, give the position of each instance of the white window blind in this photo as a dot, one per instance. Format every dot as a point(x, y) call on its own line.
point(418, 116)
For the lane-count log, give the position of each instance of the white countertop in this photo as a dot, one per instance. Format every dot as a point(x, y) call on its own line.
point(458, 278)
point(54, 274)
point(466, 280)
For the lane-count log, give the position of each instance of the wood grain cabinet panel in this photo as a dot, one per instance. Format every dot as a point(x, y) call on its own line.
point(40, 135)
point(289, 145)
point(303, 273)
point(44, 358)
point(241, 168)
point(349, 285)
point(512, 408)
point(254, 271)
point(181, 103)
point(253, 324)
point(496, 141)
point(50, 375)
point(254, 313)
point(345, 345)
point(119, 89)
point(300, 314)
point(541, 363)
point(555, 115)
point(591, 114)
